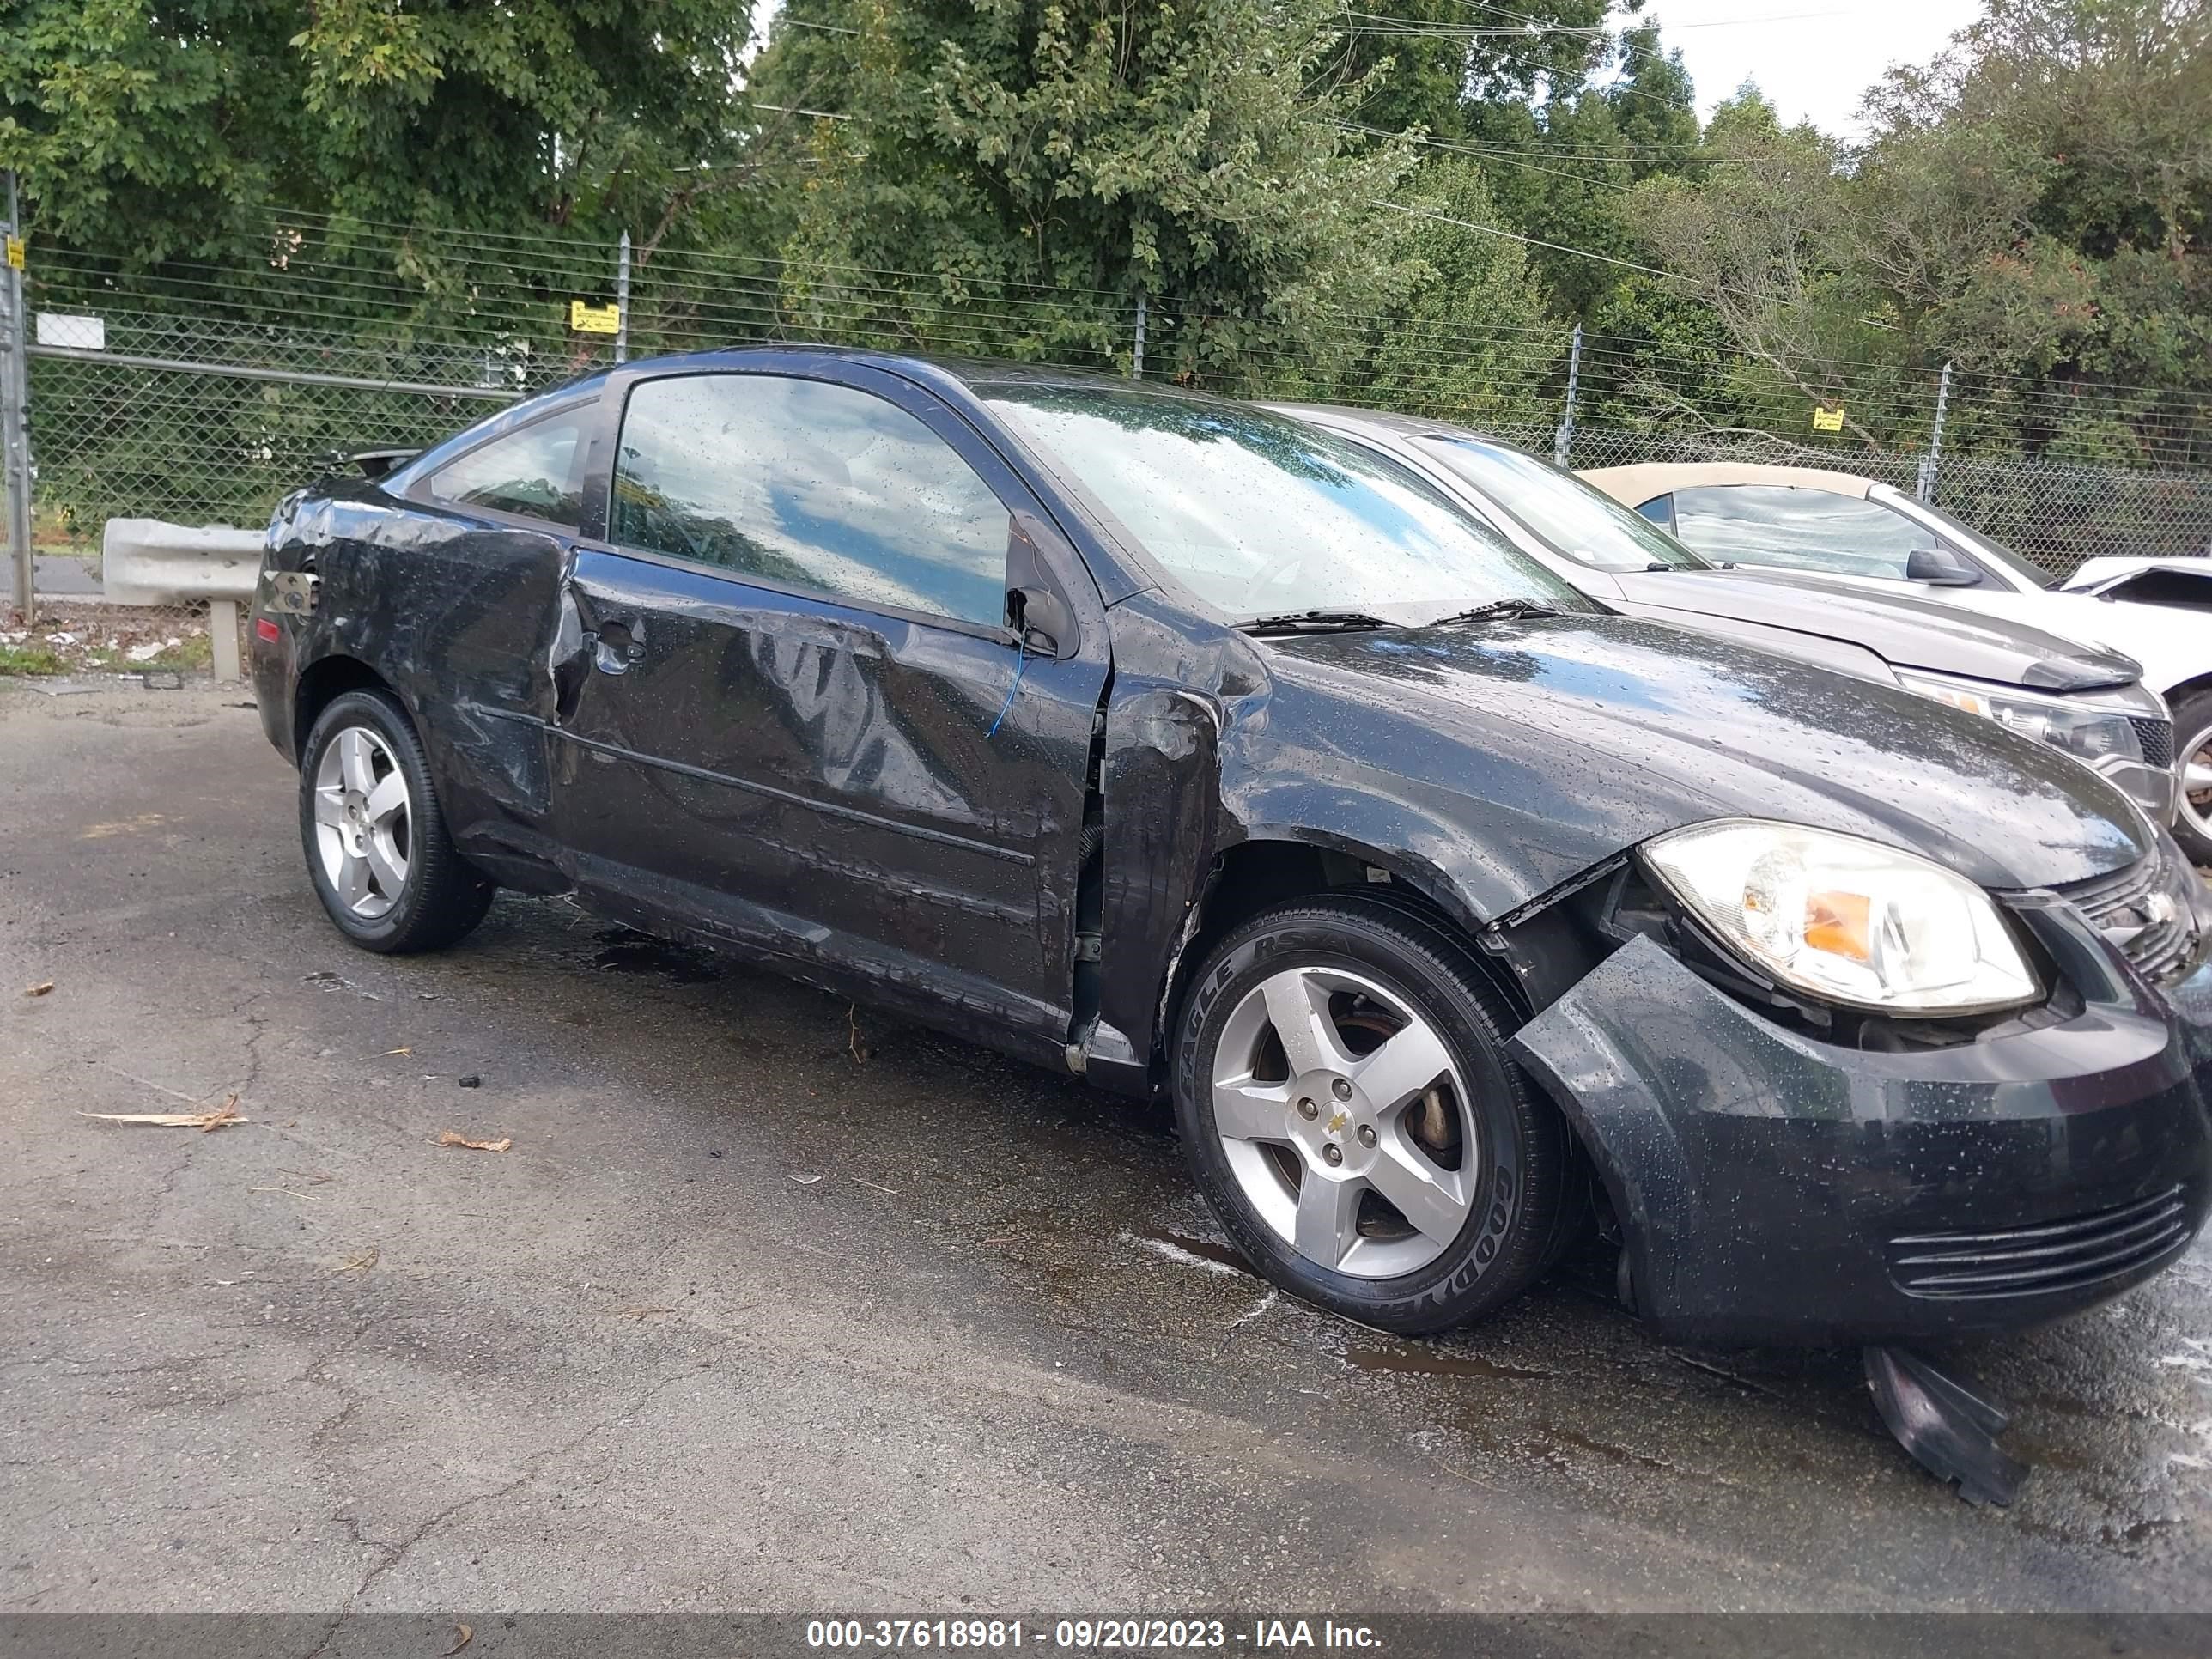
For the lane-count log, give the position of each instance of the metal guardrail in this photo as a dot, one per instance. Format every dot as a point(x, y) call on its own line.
point(149, 561)
point(282, 376)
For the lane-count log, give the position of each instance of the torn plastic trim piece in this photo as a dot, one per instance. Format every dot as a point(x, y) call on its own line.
point(1948, 1424)
point(1491, 937)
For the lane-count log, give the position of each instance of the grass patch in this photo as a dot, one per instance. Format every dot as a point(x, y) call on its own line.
point(193, 654)
point(30, 659)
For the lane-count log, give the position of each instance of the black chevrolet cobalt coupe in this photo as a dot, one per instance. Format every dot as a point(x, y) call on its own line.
point(1194, 749)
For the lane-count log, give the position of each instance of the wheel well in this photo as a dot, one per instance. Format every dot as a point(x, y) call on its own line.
point(322, 683)
point(1253, 876)
point(2188, 688)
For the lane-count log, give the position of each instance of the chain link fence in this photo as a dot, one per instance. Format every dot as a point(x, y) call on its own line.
point(201, 394)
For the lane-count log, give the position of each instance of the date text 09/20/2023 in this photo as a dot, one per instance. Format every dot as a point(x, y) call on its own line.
point(1263, 1635)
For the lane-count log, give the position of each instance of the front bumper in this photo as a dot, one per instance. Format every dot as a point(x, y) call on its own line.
point(1775, 1190)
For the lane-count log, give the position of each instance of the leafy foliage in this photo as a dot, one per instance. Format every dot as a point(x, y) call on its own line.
point(1105, 151)
point(2027, 207)
point(1011, 176)
point(2036, 199)
point(153, 132)
point(1471, 342)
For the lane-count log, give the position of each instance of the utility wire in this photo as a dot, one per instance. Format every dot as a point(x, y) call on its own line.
point(1529, 29)
point(1556, 247)
point(1514, 152)
point(1440, 144)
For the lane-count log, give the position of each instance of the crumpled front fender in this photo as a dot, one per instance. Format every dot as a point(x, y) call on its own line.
point(1775, 1189)
point(1596, 1059)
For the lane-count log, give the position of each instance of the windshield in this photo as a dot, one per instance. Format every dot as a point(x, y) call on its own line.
point(1987, 545)
point(1578, 519)
point(1260, 515)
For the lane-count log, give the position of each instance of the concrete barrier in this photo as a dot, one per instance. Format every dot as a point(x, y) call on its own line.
point(149, 561)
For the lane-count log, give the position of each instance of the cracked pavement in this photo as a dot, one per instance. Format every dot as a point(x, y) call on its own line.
point(745, 1321)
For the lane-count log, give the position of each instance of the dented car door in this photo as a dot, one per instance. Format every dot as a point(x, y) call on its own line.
point(448, 573)
point(801, 717)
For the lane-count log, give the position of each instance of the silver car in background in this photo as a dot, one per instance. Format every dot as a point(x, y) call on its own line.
point(2085, 700)
point(1862, 533)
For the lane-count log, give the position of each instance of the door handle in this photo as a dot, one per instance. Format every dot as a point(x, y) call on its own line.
point(617, 644)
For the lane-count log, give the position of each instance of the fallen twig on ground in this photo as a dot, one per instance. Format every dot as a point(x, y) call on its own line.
point(447, 1138)
point(221, 1117)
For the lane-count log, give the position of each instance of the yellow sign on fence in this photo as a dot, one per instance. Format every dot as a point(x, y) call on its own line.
point(585, 318)
point(1827, 417)
point(14, 254)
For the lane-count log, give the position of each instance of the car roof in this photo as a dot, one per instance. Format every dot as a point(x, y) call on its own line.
point(969, 373)
point(1635, 485)
point(1410, 426)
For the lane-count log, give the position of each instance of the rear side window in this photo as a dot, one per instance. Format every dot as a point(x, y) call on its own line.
point(533, 472)
point(1798, 529)
point(809, 485)
point(1659, 509)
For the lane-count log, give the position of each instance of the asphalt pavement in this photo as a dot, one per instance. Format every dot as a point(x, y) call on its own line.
point(775, 1304)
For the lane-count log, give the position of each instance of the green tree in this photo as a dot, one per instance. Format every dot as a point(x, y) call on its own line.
point(1659, 358)
point(1567, 129)
point(1189, 153)
point(2036, 200)
point(1761, 242)
point(1411, 64)
point(1470, 341)
point(150, 132)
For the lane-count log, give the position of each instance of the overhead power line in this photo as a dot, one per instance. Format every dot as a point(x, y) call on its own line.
point(1515, 152)
point(1481, 154)
point(1537, 242)
point(1391, 22)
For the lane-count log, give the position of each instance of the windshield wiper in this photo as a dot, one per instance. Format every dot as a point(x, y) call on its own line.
point(1497, 609)
point(1313, 621)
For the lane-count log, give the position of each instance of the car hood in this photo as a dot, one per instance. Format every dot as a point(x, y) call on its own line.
point(2183, 579)
point(1903, 630)
point(1527, 751)
point(2171, 642)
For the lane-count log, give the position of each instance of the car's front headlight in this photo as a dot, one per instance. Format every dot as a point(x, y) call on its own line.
point(2089, 732)
point(1845, 919)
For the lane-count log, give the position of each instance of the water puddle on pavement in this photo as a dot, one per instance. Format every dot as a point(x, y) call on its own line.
point(1409, 1360)
point(1207, 1250)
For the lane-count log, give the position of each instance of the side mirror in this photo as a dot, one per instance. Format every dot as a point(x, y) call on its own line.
point(1939, 567)
point(1042, 620)
point(1036, 610)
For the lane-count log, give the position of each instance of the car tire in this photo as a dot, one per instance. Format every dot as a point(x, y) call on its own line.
point(2192, 744)
point(375, 840)
point(1435, 1207)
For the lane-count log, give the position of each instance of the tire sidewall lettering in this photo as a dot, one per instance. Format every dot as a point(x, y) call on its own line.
point(1197, 1031)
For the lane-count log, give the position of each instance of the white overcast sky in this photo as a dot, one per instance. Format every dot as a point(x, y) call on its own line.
point(1812, 58)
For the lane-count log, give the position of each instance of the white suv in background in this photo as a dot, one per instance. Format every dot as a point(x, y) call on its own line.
point(2157, 611)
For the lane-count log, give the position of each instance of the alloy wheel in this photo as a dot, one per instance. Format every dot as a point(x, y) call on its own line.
point(2197, 782)
point(1345, 1122)
point(363, 822)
